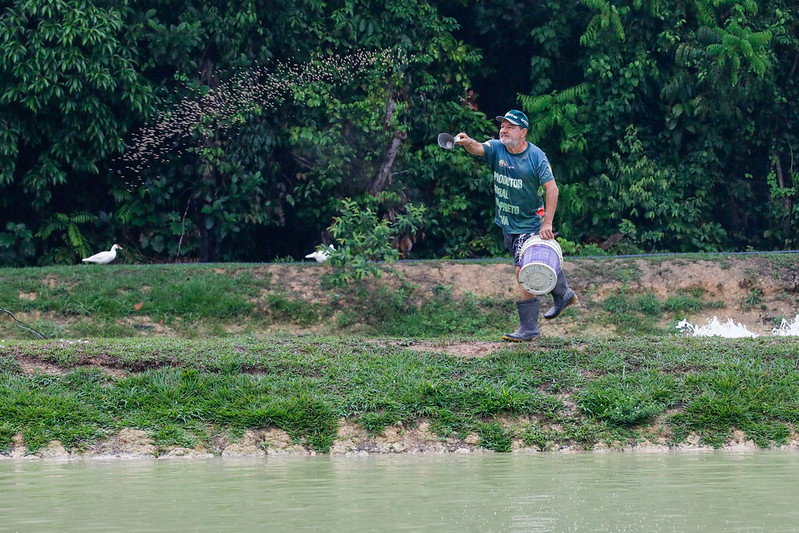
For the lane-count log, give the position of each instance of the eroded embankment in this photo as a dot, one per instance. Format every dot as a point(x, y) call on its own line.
point(352, 441)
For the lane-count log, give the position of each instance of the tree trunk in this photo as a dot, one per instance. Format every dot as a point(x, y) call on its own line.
point(383, 177)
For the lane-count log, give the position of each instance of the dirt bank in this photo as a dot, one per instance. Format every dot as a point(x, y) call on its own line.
point(351, 441)
point(757, 290)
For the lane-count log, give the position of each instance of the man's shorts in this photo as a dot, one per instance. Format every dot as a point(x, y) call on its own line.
point(514, 244)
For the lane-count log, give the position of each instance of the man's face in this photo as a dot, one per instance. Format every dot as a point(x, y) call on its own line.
point(511, 135)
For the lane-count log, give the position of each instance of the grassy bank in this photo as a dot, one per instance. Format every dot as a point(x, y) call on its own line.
point(546, 395)
point(198, 355)
point(627, 296)
point(213, 300)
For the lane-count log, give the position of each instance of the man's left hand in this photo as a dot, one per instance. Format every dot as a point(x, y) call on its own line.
point(546, 232)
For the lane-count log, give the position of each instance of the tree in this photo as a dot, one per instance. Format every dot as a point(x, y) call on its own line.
point(665, 137)
point(69, 91)
point(342, 114)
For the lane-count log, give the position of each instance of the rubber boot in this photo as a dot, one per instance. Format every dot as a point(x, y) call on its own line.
point(528, 322)
point(562, 295)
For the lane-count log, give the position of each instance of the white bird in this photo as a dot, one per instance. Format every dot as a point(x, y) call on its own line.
point(321, 255)
point(103, 258)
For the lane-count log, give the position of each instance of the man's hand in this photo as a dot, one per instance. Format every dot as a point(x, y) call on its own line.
point(471, 146)
point(552, 192)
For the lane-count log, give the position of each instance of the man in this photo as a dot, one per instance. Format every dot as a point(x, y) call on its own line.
point(519, 168)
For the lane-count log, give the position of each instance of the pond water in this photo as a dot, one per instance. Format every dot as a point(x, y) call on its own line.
point(716, 491)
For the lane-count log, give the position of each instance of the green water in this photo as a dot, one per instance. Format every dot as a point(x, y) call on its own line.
point(718, 491)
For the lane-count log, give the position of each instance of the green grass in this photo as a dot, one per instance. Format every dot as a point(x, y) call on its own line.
point(400, 314)
point(788, 262)
point(203, 301)
point(197, 301)
point(197, 357)
point(94, 301)
point(115, 290)
point(638, 313)
point(177, 389)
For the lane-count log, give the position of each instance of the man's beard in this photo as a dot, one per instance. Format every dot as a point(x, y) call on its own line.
point(509, 143)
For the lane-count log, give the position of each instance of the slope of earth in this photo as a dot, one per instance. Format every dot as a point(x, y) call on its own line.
point(756, 290)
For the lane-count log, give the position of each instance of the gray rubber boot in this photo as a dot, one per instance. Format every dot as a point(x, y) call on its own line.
point(528, 322)
point(562, 295)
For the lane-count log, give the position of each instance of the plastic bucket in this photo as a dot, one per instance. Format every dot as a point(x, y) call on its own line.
point(540, 264)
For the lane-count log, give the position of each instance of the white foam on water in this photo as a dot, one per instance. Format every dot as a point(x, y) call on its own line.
point(787, 328)
point(714, 328)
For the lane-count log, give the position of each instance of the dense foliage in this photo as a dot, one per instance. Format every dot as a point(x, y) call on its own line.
point(242, 130)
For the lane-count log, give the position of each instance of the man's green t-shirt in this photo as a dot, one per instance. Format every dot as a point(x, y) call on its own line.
point(517, 178)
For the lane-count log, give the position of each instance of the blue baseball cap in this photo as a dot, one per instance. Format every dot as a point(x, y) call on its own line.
point(514, 116)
